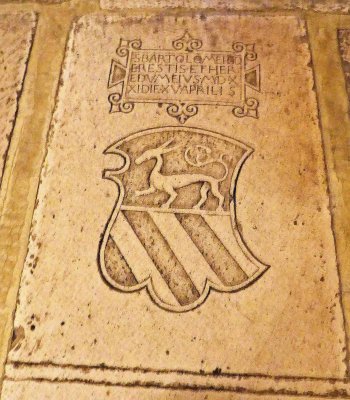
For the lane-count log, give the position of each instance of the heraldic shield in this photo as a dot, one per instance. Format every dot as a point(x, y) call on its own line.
point(173, 229)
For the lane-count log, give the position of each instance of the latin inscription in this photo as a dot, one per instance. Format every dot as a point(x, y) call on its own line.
point(192, 76)
point(184, 77)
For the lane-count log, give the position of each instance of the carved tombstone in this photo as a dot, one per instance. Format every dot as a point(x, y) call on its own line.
point(182, 239)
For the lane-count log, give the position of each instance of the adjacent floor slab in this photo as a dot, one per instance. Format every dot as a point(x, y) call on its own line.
point(17, 34)
point(344, 46)
point(240, 5)
point(182, 236)
point(36, 1)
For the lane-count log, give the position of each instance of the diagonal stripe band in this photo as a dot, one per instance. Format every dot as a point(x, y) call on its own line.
point(116, 265)
point(222, 227)
point(215, 253)
point(163, 257)
point(138, 259)
point(185, 250)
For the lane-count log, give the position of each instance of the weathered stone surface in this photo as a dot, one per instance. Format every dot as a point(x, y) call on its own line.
point(87, 311)
point(16, 32)
point(240, 5)
point(85, 391)
point(35, 1)
point(344, 46)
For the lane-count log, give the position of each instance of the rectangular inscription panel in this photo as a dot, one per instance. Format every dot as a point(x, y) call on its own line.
point(177, 242)
point(211, 77)
point(184, 77)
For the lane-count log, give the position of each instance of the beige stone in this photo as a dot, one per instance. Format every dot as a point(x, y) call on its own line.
point(17, 33)
point(344, 47)
point(85, 391)
point(240, 5)
point(122, 285)
point(33, 1)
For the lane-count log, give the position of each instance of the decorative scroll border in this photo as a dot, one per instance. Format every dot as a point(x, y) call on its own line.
point(182, 111)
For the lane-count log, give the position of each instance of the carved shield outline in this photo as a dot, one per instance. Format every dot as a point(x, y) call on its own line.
point(147, 283)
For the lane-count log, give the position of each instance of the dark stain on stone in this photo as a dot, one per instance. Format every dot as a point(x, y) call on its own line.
point(17, 338)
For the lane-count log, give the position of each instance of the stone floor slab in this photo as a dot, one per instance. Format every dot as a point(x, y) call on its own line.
point(17, 34)
point(182, 236)
point(33, 1)
point(88, 391)
point(241, 5)
point(344, 46)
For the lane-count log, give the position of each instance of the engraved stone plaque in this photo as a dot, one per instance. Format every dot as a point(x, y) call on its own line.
point(184, 77)
point(182, 241)
point(16, 33)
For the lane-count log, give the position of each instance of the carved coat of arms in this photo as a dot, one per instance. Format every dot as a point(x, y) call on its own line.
point(173, 229)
